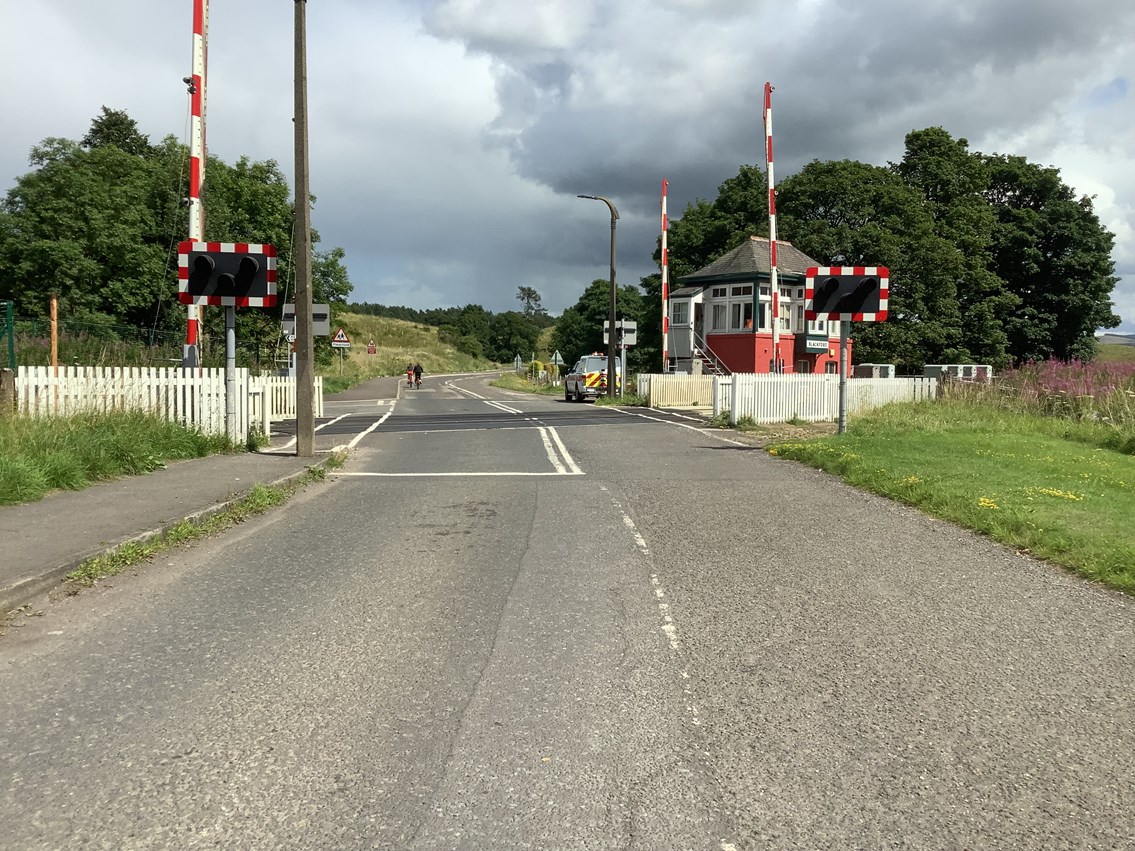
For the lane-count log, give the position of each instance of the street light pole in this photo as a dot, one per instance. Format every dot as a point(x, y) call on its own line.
point(612, 373)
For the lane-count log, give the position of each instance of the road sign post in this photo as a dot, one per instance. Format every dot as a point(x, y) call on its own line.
point(340, 342)
point(846, 294)
point(232, 275)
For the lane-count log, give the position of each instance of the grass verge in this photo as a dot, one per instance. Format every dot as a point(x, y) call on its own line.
point(257, 501)
point(42, 454)
point(512, 381)
point(626, 400)
point(1050, 488)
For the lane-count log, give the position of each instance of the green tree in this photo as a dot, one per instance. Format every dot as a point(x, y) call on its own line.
point(992, 259)
point(647, 355)
point(80, 226)
point(953, 182)
point(330, 283)
point(852, 213)
point(1053, 253)
point(580, 328)
point(476, 322)
point(115, 127)
point(512, 334)
point(570, 335)
point(98, 223)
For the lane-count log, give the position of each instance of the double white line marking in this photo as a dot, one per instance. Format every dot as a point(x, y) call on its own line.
point(550, 437)
point(552, 442)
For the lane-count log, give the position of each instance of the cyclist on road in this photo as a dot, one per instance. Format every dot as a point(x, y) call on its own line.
point(409, 375)
point(417, 375)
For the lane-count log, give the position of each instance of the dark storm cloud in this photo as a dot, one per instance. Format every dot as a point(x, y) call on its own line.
point(449, 138)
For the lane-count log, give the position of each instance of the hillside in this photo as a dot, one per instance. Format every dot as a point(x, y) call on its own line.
point(397, 343)
point(1115, 353)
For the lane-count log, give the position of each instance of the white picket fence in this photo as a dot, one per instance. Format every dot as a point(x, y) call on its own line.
point(779, 398)
point(195, 398)
point(676, 390)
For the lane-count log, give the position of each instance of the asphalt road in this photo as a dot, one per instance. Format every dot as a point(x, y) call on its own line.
point(512, 622)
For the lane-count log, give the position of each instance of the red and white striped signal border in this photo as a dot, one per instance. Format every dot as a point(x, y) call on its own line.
point(880, 272)
point(267, 251)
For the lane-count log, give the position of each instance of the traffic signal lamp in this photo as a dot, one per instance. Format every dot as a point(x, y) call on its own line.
point(846, 293)
point(237, 274)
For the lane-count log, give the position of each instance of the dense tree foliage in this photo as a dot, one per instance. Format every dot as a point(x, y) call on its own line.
point(993, 259)
point(580, 328)
point(115, 128)
point(1049, 248)
point(97, 223)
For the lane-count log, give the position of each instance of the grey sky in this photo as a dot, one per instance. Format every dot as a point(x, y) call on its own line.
point(450, 138)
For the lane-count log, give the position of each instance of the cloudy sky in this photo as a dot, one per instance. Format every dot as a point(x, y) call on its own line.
point(449, 138)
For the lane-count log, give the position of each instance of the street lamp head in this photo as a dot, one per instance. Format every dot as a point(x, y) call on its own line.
point(607, 201)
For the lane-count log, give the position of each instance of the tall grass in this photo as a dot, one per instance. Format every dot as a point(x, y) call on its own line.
point(42, 454)
point(1096, 394)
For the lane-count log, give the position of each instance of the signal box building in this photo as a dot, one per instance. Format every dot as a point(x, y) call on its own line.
point(721, 315)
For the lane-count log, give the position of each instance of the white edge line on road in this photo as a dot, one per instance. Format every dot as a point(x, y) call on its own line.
point(355, 403)
point(707, 432)
point(332, 422)
point(453, 386)
point(373, 426)
point(364, 474)
point(669, 628)
point(502, 407)
point(292, 442)
point(668, 625)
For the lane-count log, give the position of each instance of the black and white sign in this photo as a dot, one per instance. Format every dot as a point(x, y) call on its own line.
point(626, 332)
point(320, 320)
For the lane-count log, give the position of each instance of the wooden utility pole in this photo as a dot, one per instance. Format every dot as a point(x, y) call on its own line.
point(305, 353)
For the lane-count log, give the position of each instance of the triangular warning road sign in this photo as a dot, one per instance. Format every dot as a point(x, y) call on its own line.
point(340, 337)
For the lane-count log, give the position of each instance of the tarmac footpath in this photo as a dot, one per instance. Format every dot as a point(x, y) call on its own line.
point(41, 542)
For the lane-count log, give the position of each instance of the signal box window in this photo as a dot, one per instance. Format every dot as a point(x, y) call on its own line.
point(741, 315)
point(718, 320)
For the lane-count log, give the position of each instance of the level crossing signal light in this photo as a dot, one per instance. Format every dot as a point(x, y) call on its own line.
point(846, 293)
point(235, 274)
